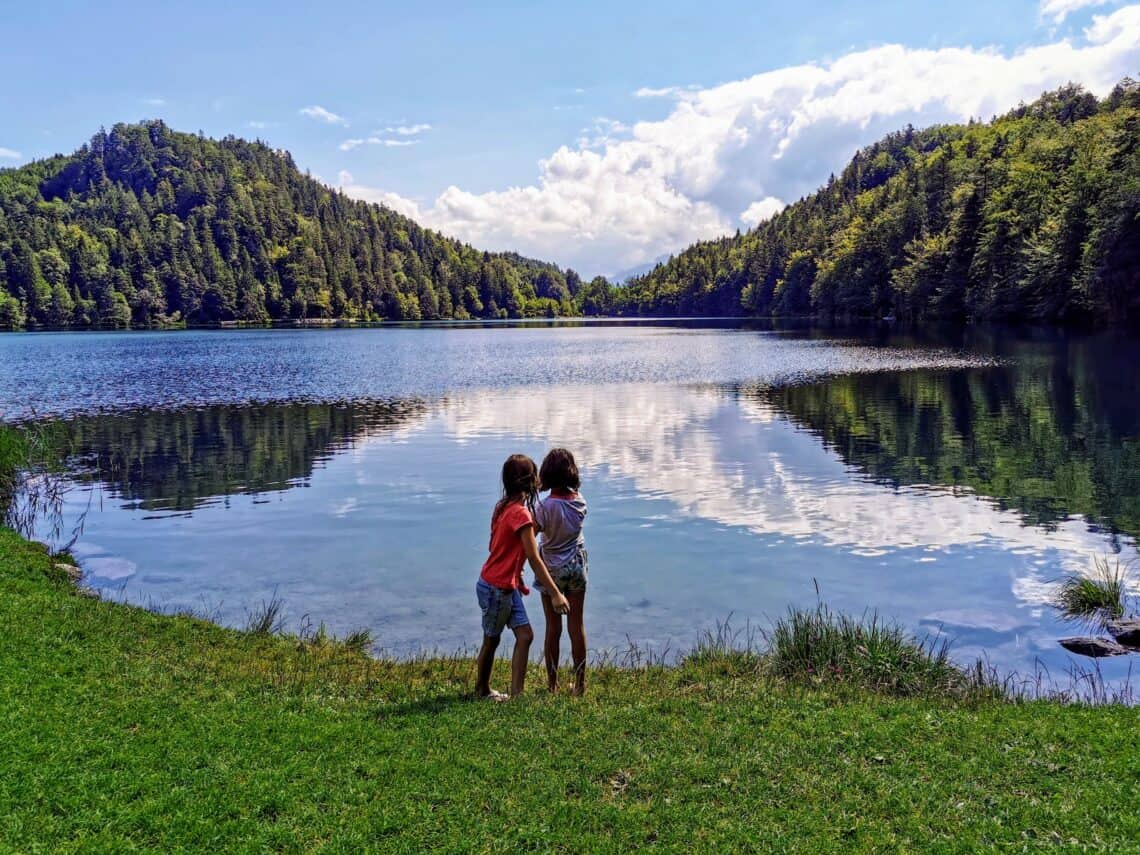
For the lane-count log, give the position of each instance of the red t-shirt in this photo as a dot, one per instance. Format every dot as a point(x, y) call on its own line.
point(504, 565)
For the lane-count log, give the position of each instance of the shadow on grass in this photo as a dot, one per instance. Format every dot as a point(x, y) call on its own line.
point(428, 706)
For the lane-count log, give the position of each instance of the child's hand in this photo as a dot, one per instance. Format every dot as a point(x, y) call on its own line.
point(523, 589)
point(561, 604)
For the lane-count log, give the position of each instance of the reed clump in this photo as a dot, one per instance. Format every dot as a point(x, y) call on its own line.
point(268, 618)
point(1098, 596)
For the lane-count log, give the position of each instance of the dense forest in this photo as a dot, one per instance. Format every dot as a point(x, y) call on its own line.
point(1035, 216)
point(145, 226)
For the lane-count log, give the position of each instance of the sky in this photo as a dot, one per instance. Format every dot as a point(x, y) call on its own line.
point(601, 136)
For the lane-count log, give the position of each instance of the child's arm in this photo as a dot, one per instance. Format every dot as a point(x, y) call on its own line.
point(530, 547)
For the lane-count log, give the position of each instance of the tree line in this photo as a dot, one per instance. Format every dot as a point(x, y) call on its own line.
point(145, 226)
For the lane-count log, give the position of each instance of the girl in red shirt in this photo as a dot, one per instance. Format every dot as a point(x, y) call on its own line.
point(499, 586)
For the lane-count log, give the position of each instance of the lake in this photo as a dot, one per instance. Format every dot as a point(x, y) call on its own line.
point(944, 480)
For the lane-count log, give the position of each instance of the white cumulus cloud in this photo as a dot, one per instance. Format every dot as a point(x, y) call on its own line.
point(9, 153)
point(350, 144)
point(731, 153)
point(408, 130)
point(1058, 10)
point(664, 91)
point(761, 210)
point(318, 112)
point(395, 201)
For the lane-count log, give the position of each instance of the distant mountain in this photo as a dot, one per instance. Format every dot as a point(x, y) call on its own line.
point(623, 276)
point(1032, 216)
point(148, 226)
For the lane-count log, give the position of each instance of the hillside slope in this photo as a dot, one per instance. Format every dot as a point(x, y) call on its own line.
point(1035, 215)
point(147, 226)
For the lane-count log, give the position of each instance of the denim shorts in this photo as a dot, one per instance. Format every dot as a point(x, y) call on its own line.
point(500, 608)
point(572, 576)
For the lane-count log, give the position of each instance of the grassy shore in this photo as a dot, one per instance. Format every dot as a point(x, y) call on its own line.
point(123, 729)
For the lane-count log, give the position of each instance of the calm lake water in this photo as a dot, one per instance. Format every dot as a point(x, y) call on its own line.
point(945, 482)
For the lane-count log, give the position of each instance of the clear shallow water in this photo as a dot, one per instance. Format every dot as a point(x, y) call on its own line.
point(945, 483)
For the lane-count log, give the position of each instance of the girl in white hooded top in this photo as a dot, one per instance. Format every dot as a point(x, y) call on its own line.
point(559, 518)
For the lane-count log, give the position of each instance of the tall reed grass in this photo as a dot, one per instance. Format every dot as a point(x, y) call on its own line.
point(1097, 597)
point(819, 644)
point(33, 482)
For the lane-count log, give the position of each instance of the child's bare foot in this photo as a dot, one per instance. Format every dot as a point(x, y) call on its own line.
point(578, 691)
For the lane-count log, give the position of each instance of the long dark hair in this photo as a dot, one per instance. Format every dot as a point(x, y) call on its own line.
point(520, 483)
point(559, 471)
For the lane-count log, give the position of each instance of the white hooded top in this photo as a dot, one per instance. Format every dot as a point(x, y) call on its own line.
point(560, 520)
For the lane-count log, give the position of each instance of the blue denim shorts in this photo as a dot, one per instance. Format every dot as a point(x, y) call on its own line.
point(500, 608)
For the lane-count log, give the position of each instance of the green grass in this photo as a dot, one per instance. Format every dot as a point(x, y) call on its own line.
point(13, 456)
point(809, 644)
point(127, 730)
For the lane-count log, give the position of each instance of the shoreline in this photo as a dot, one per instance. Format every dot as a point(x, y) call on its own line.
point(974, 680)
point(980, 680)
point(774, 321)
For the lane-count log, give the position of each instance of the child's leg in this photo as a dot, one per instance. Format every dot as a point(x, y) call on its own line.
point(550, 645)
point(496, 606)
point(484, 663)
point(524, 635)
point(577, 638)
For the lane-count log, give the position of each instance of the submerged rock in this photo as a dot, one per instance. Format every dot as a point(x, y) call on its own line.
point(1095, 647)
point(1126, 631)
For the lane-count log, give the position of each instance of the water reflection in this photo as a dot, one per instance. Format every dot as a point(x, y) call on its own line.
point(1051, 437)
point(738, 461)
point(160, 460)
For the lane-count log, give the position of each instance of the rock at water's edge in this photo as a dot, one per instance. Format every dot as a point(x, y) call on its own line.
point(1127, 632)
point(73, 572)
point(1095, 647)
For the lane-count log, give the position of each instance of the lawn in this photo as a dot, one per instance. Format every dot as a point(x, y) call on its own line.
point(127, 730)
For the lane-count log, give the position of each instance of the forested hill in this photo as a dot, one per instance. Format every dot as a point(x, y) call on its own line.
point(1035, 215)
point(146, 226)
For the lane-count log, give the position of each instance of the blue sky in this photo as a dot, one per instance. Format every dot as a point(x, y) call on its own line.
point(598, 135)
